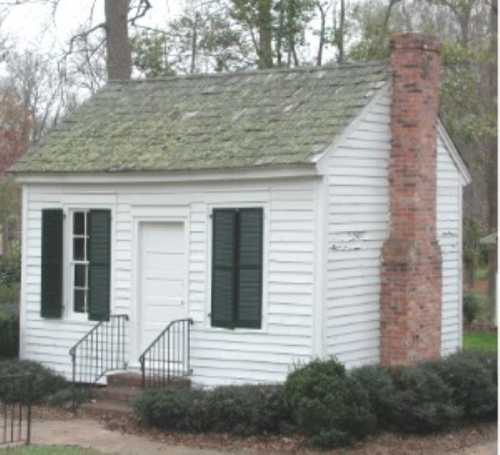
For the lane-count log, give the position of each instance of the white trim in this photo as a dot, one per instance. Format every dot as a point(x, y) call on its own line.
point(183, 217)
point(69, 209)
point(72, 263)
point(455, 156)
point(24, 270)
point(291, 171)
point(207, 321)
point(320, 266)
point(460, 269)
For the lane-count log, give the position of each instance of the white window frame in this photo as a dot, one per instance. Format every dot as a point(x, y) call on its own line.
point(72, 263)
point(265, 206)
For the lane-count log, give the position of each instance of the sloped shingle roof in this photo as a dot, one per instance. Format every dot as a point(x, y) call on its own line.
point(281, 117)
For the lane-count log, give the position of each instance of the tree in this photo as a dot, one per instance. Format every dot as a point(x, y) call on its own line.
point(15, 125)
point(468, 30)
point(119, 59)
point(492, 84)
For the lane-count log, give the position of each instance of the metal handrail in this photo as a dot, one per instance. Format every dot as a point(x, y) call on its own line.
point(112, 355)
point(169, 354)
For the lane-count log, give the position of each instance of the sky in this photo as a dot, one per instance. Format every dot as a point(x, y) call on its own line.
point(34, 26)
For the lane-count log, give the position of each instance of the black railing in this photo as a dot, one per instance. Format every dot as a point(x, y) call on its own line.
point(168, 356)
point(16, 393)
point(100, 351)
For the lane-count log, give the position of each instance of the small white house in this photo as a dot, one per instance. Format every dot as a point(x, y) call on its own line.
point(256, 204)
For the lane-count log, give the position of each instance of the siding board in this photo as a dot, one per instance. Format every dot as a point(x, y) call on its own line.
point(218, 356)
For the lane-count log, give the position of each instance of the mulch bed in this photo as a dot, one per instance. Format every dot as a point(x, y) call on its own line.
point(383, 444)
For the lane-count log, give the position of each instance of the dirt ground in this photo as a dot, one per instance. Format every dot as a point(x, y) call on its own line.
point(86, 432)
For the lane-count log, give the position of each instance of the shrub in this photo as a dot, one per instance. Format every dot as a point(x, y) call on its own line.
point(247, 410)
point(9, 335)
point(472, 304)
point(329, 406)
point(421, 401)
point(333, 407)
point(472, 378)
point(37, 383)
point(10, 267)
point(242, 410)
point(172, 410)
point(9, 294)
point(69, 397)
point(378, 383)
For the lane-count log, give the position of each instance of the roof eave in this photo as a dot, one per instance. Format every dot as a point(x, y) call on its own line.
point(225, 174)
point(455, 154)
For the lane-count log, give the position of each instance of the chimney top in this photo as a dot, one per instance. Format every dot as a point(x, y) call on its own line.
point(419, 41)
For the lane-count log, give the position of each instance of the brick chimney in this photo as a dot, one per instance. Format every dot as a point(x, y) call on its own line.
point(411, 264)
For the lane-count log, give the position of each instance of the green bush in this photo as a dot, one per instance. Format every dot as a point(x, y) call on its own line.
point(9, 294)
point(69, 396)
point(378, 383)
point(333, 407)
point(173, 410)
point(247, 410)
point(328, 405)
point(472, 304)
point(472, 379)
point(10, 267)
point(28, 381)
point(9, 335)
point(242, 410)
point(422, 402)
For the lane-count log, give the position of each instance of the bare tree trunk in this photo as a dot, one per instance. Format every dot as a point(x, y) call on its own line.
point(493, 163)
point(279, 34)
point(119, 58)
point(194, 44)
point(322, 31)
point(341, 32)
point(265, 34)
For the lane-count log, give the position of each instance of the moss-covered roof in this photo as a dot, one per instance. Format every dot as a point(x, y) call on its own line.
point(236, 120)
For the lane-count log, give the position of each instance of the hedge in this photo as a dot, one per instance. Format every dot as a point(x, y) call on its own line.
point(241, 410)
point(333, 407)
point(9, 335)
point(33, 382)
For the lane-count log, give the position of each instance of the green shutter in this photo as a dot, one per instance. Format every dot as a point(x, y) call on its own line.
point(223, 271)
point(249, 312)
point(99, 256)
point(52, 263)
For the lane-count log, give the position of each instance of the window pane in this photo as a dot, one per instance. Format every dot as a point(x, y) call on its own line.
point(80, 276)
point(79, 223)
point(79, 301)
point(79, 249)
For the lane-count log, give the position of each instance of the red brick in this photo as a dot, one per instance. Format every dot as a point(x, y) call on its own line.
point(411, 262)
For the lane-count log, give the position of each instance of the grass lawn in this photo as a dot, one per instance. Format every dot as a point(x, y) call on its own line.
point(480, 341)
point(52, 450)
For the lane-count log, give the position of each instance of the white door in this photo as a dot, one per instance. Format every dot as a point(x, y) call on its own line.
point(162, 278)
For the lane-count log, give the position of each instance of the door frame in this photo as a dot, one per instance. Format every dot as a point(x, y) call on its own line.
point(179, 215)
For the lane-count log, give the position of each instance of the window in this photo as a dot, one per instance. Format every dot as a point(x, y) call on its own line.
point(80, 262)
point(237, 268)
point(89, 266)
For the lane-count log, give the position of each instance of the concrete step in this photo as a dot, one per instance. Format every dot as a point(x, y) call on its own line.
point(129, 379)
point(134, 380)
point(121, 393)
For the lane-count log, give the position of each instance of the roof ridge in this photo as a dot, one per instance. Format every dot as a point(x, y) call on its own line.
point(301, 69)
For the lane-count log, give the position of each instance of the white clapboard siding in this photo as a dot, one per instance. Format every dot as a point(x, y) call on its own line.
point(358, 217)
point(358, 223)
point(449, 221)
point(218, 356)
